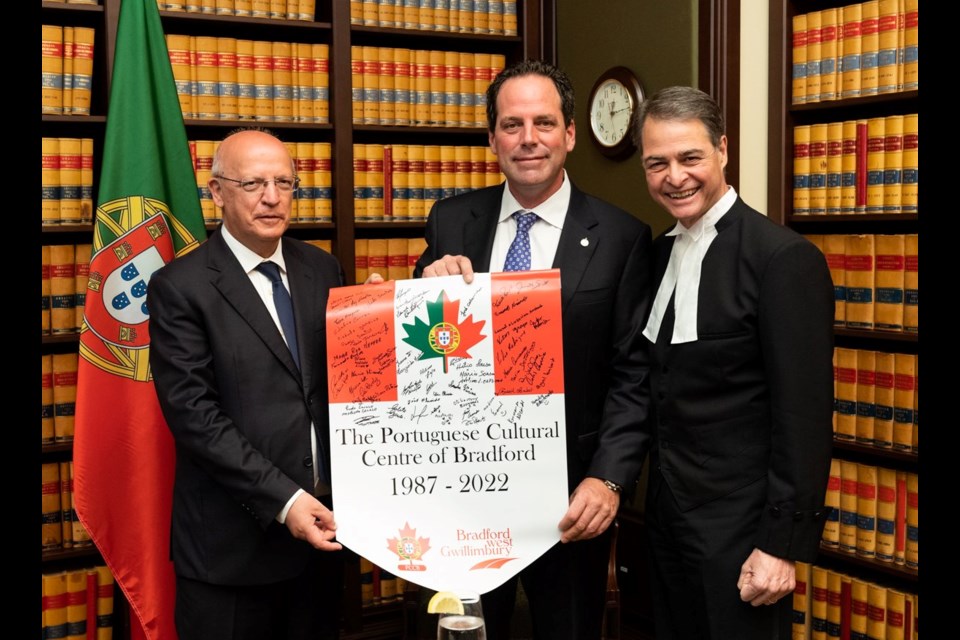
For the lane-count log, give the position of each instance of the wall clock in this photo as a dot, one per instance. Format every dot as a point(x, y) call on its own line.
point(613, 100)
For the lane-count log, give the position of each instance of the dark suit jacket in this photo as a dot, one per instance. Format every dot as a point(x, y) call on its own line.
point(239, 409)
point(753, 396)
point(605, 295)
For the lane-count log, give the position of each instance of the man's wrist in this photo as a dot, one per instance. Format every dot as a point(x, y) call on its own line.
point(613, 486)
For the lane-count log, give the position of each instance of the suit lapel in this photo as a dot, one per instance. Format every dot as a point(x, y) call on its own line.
point(578, 243)
point(479, 231)
point(235, 286)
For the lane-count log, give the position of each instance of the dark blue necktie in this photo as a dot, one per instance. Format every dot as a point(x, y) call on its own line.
point(284, 306)
point(518, 255)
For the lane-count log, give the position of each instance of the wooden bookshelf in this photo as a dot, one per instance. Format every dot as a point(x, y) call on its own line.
point(784, 116)
point(332, 26)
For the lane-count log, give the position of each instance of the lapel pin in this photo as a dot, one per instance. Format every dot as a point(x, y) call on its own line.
point(585, 242)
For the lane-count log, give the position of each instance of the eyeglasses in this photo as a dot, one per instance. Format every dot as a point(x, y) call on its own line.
point(255, 185)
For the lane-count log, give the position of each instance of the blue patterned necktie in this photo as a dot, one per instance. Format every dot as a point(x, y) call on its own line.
point(284, 306)
point(518, 256)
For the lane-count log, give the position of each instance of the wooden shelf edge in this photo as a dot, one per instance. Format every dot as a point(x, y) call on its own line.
point(54, 555)
point(52, 117)
point(888, 568)
point(896, 336)
point(879, 452)
point(60, 338)
point(59, 6)
point(67, 228)
point(884, 98)
point(312, 225)
point(56, 447)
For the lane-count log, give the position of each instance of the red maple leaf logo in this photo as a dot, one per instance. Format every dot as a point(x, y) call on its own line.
point(408, 546)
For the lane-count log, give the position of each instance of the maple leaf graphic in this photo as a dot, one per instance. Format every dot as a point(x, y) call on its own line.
point(408, 546)
point(441, 336)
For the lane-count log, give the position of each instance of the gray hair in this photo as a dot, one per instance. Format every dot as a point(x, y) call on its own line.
point(680, 103)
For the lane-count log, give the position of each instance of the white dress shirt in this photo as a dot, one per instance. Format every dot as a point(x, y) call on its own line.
point(544, 234)
point(249, 261)
point(683, 273)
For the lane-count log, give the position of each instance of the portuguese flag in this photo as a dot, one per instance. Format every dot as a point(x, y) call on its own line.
point(148, 213)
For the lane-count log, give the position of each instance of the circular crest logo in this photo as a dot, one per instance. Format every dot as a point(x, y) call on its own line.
point(408, 549)
point(444, 338)
point(116, 316)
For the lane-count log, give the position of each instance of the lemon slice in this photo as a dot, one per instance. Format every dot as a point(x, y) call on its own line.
point(445, 602)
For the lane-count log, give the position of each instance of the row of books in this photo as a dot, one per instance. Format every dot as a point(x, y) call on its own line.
point(876, 280)
point(63, 285)
point(400, 182)
point(232, 79)
point(877, 399)
point(858, 166)
point(862, 49)
point(392, 258)
point(828, 604)
point(66, 70)
point(269, 9)
point(421, 88)
point(58, 396)
point(874, 513)
point(60, 528)
point(313, 200)
point(378, 586)
point(66, 181)
point(392, 183)
point(495, 17)
point(77, 605)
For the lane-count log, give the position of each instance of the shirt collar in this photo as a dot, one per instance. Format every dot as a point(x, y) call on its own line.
point(709, 219)
point(247, 258)
point(553, 210)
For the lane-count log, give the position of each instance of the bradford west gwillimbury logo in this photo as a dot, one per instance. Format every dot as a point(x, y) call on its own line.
point(410, 548)
point(115, 335)
point(441, 336)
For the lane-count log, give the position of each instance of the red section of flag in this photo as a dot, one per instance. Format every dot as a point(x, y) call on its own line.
point(527, 333)
point(361, 353)
point(470, 332)
point(127, 509)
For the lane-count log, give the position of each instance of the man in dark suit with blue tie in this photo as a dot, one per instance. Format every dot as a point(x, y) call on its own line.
point(238, 356)
point(537, 220)
point(741, 335)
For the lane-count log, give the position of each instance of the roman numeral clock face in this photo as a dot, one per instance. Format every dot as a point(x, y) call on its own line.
point(615, 96)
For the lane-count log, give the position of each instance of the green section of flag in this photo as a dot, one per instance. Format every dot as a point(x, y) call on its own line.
point(418, 333)
point(145, 150)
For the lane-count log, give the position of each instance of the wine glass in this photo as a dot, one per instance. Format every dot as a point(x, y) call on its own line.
point(466, 626)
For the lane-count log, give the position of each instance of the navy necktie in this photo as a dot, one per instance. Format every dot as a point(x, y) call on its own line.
point(284, 306)
point(518, 255)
